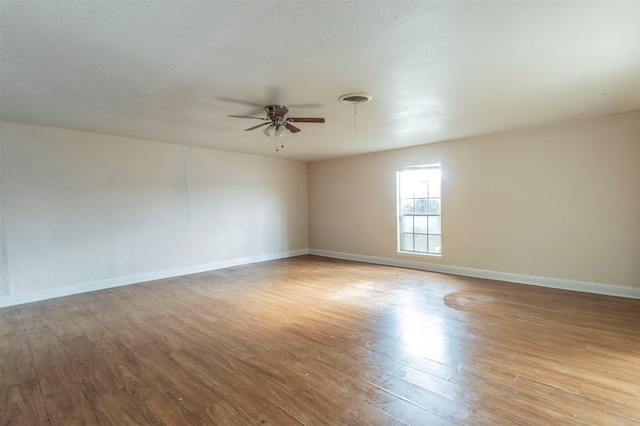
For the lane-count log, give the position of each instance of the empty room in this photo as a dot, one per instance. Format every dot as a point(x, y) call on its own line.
point(319, 212)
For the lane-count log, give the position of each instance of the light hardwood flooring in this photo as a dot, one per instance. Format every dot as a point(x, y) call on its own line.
point(311, 340)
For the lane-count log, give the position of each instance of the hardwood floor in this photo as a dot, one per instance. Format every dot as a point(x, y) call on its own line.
point(311, 340)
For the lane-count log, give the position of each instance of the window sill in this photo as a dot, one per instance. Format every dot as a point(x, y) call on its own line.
point(412, 253)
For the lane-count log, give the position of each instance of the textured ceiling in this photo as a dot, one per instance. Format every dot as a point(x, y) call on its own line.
point(172, 71)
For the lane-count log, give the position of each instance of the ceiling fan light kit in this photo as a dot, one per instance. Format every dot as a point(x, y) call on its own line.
point(274, 131)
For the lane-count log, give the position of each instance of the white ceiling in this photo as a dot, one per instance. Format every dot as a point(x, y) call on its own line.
point(172, 70)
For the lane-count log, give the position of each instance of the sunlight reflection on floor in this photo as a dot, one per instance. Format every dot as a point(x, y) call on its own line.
point(422, 335)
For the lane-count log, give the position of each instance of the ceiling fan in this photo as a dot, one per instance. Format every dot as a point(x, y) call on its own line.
point(279, 124)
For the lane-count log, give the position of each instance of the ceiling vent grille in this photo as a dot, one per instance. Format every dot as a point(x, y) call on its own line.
point(355, 98)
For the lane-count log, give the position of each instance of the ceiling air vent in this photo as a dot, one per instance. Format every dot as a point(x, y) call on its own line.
point(355, 98)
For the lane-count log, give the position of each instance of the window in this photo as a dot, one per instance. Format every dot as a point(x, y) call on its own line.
point(419, 220)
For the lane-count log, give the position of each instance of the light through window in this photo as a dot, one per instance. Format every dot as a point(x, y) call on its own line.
point(419, 218)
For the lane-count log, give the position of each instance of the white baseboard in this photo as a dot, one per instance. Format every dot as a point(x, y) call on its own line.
point(558, 283)
point(19, 299)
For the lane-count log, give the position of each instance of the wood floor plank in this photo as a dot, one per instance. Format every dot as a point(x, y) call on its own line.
point(358, 362)
point(56, 376)
point(16, 360)
point(22, 403)
point(135, 378)
point(310, 340)
point(11, 321)
point(45, 347)
point(222, 413)
point(288, 393)
point(52, 363)
point(248, 400)
point(151, 397)
point(406, 412)
point(91, 326)
point(282, 419)
point(369, 398)
point(130, 333)
point(166, 409)
point(118, 408)
point(184, 384)
point(93, 373)
point(70, 406)
point(433, 383)
point(34, 318)
point(455, 411)
point(291, 388)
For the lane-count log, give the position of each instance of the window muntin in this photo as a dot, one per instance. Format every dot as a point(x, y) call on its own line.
point(419, 215)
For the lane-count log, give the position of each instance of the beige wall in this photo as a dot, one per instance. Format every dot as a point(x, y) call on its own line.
point(79, 207)
point(559, 201)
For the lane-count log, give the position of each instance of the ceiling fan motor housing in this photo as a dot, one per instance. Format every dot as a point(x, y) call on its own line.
point(276, 113)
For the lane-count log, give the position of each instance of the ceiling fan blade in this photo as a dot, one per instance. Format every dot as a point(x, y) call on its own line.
point(255, 127)
point(305, 120)
point(238, 101)
point(291, 127)
point(304, 105)
point(246, 116)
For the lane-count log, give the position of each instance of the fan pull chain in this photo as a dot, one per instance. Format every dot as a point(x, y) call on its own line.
point(355, 135)
point(279, 143)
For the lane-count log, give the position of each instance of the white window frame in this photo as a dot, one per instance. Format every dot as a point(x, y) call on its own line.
point(429, 216)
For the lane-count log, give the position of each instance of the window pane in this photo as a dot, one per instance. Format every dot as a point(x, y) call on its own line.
point(407, 242)
point(406, 207)
point(421, 206)
point(406, 224)
point(422, 190)
point(434, 225)
point(435, 244)
point(421, 243)
point(406, 191)
point(434, 206)
point(434, 189)
point(420, 224)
